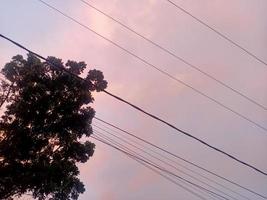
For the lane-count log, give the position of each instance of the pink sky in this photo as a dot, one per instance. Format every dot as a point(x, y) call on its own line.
point(109, 174)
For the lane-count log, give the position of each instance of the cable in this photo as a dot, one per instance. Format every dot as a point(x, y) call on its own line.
point(180, 158)
point(154, 67)
point(171, 160)
point(218, 32)
point(174, 55)
point(162, 161)
point(186, 133)
point(138, 156)
point(101, 135)
point(175, 162)
point(166, 177)
point(145, 160)
point(149, 167)
point(140, 109)
point(232, 157)
point(121, 146)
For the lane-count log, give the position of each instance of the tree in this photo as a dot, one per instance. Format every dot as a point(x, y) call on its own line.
point(45, 128)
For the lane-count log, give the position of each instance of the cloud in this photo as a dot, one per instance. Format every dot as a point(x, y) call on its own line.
point(142, 178)
point(108, 175)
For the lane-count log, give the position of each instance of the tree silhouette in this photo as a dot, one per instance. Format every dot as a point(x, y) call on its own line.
point(45, 127)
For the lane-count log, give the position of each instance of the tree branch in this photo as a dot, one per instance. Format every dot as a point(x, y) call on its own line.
point(8, 92)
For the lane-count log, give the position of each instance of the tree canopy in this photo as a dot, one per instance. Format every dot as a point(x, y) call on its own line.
point(45, 127)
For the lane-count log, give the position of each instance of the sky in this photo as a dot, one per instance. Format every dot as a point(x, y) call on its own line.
point(110, 174)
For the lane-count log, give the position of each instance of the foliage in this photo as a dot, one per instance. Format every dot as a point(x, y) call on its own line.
point(43, 130)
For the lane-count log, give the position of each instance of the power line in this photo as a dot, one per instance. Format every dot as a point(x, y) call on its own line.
point(154, 67)
point(130, 138)
point(171, 160)
point(151, 168)
point(161, 160)
point(175, 55)
point(180, 158)
point(147, 161)
point(168, 178)
point(140, 109)
point(137, 155)
point(186, 133)
point(218, 33)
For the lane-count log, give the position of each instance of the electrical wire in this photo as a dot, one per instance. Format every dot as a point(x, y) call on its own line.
point(148, 166)
point(218, 33)
point(174, 55)
point(168, 178)
point(145, 160)
point(154, 67)
point(173, 161)
point(153, 116)
point(185, 133)
point(140, 109)
point(179, 157)
point(162, 161)
point(121, 146)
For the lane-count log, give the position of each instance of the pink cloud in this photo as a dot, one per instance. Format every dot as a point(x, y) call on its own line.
point(142, 178)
